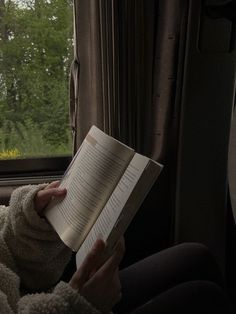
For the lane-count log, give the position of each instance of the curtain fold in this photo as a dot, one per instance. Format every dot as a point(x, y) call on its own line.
point(123, 77)
point(166, 66)
point(86, 93)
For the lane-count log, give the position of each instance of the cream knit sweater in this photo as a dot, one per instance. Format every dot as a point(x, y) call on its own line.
point(32, 259)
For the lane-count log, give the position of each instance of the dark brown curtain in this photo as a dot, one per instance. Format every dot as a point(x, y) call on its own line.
point(126, 79)
point(152, 73)
point(123, 78)
point(208, 90)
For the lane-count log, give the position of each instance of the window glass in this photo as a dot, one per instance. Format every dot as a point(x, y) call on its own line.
point(36, 50)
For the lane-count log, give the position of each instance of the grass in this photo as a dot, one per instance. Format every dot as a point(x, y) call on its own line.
point(19, 141)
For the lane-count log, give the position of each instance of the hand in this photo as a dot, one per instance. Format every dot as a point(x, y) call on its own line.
point(100, 285)
point(44, 196)
point(90, 265)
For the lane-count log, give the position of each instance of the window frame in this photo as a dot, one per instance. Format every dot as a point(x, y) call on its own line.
point(32, 170)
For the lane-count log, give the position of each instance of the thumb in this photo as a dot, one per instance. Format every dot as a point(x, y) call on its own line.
point(82, 275)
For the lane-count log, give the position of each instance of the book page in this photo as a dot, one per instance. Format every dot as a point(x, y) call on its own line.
point(90, 179)
point(118, 209)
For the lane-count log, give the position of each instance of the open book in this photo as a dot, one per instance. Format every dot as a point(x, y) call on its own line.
point(106, 183)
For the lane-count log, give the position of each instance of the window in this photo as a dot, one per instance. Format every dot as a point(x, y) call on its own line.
point(35, 57)
point(36, 50)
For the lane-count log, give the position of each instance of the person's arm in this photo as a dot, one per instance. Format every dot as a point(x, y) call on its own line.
point(32, 248)
point(63, 299)
point(93, 289)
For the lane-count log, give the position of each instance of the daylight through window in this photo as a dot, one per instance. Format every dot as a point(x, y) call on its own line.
point(36, 50)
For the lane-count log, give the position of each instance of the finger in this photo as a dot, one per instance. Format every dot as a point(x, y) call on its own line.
point(82, 275)
point(114, 261)
point(116, 280)
point(119, 297)
point(54, 184)
point(44, 196)
point(117, 288)
point(47, 194)
point(121, 242)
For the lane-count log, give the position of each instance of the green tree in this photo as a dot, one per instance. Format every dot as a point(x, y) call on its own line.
point(35, 55)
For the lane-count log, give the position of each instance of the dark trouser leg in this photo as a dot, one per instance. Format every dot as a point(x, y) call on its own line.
point(195, 297)
point(148, 278)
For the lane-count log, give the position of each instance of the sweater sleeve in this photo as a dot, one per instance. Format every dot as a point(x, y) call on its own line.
point(62, 300)
point(35, 251)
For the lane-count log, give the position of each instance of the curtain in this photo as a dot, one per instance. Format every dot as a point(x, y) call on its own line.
point(139, 74)
point(123, 77)
point(201, 199)
point(129, 56)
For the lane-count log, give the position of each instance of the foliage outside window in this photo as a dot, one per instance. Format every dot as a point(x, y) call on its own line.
point(35, 56)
